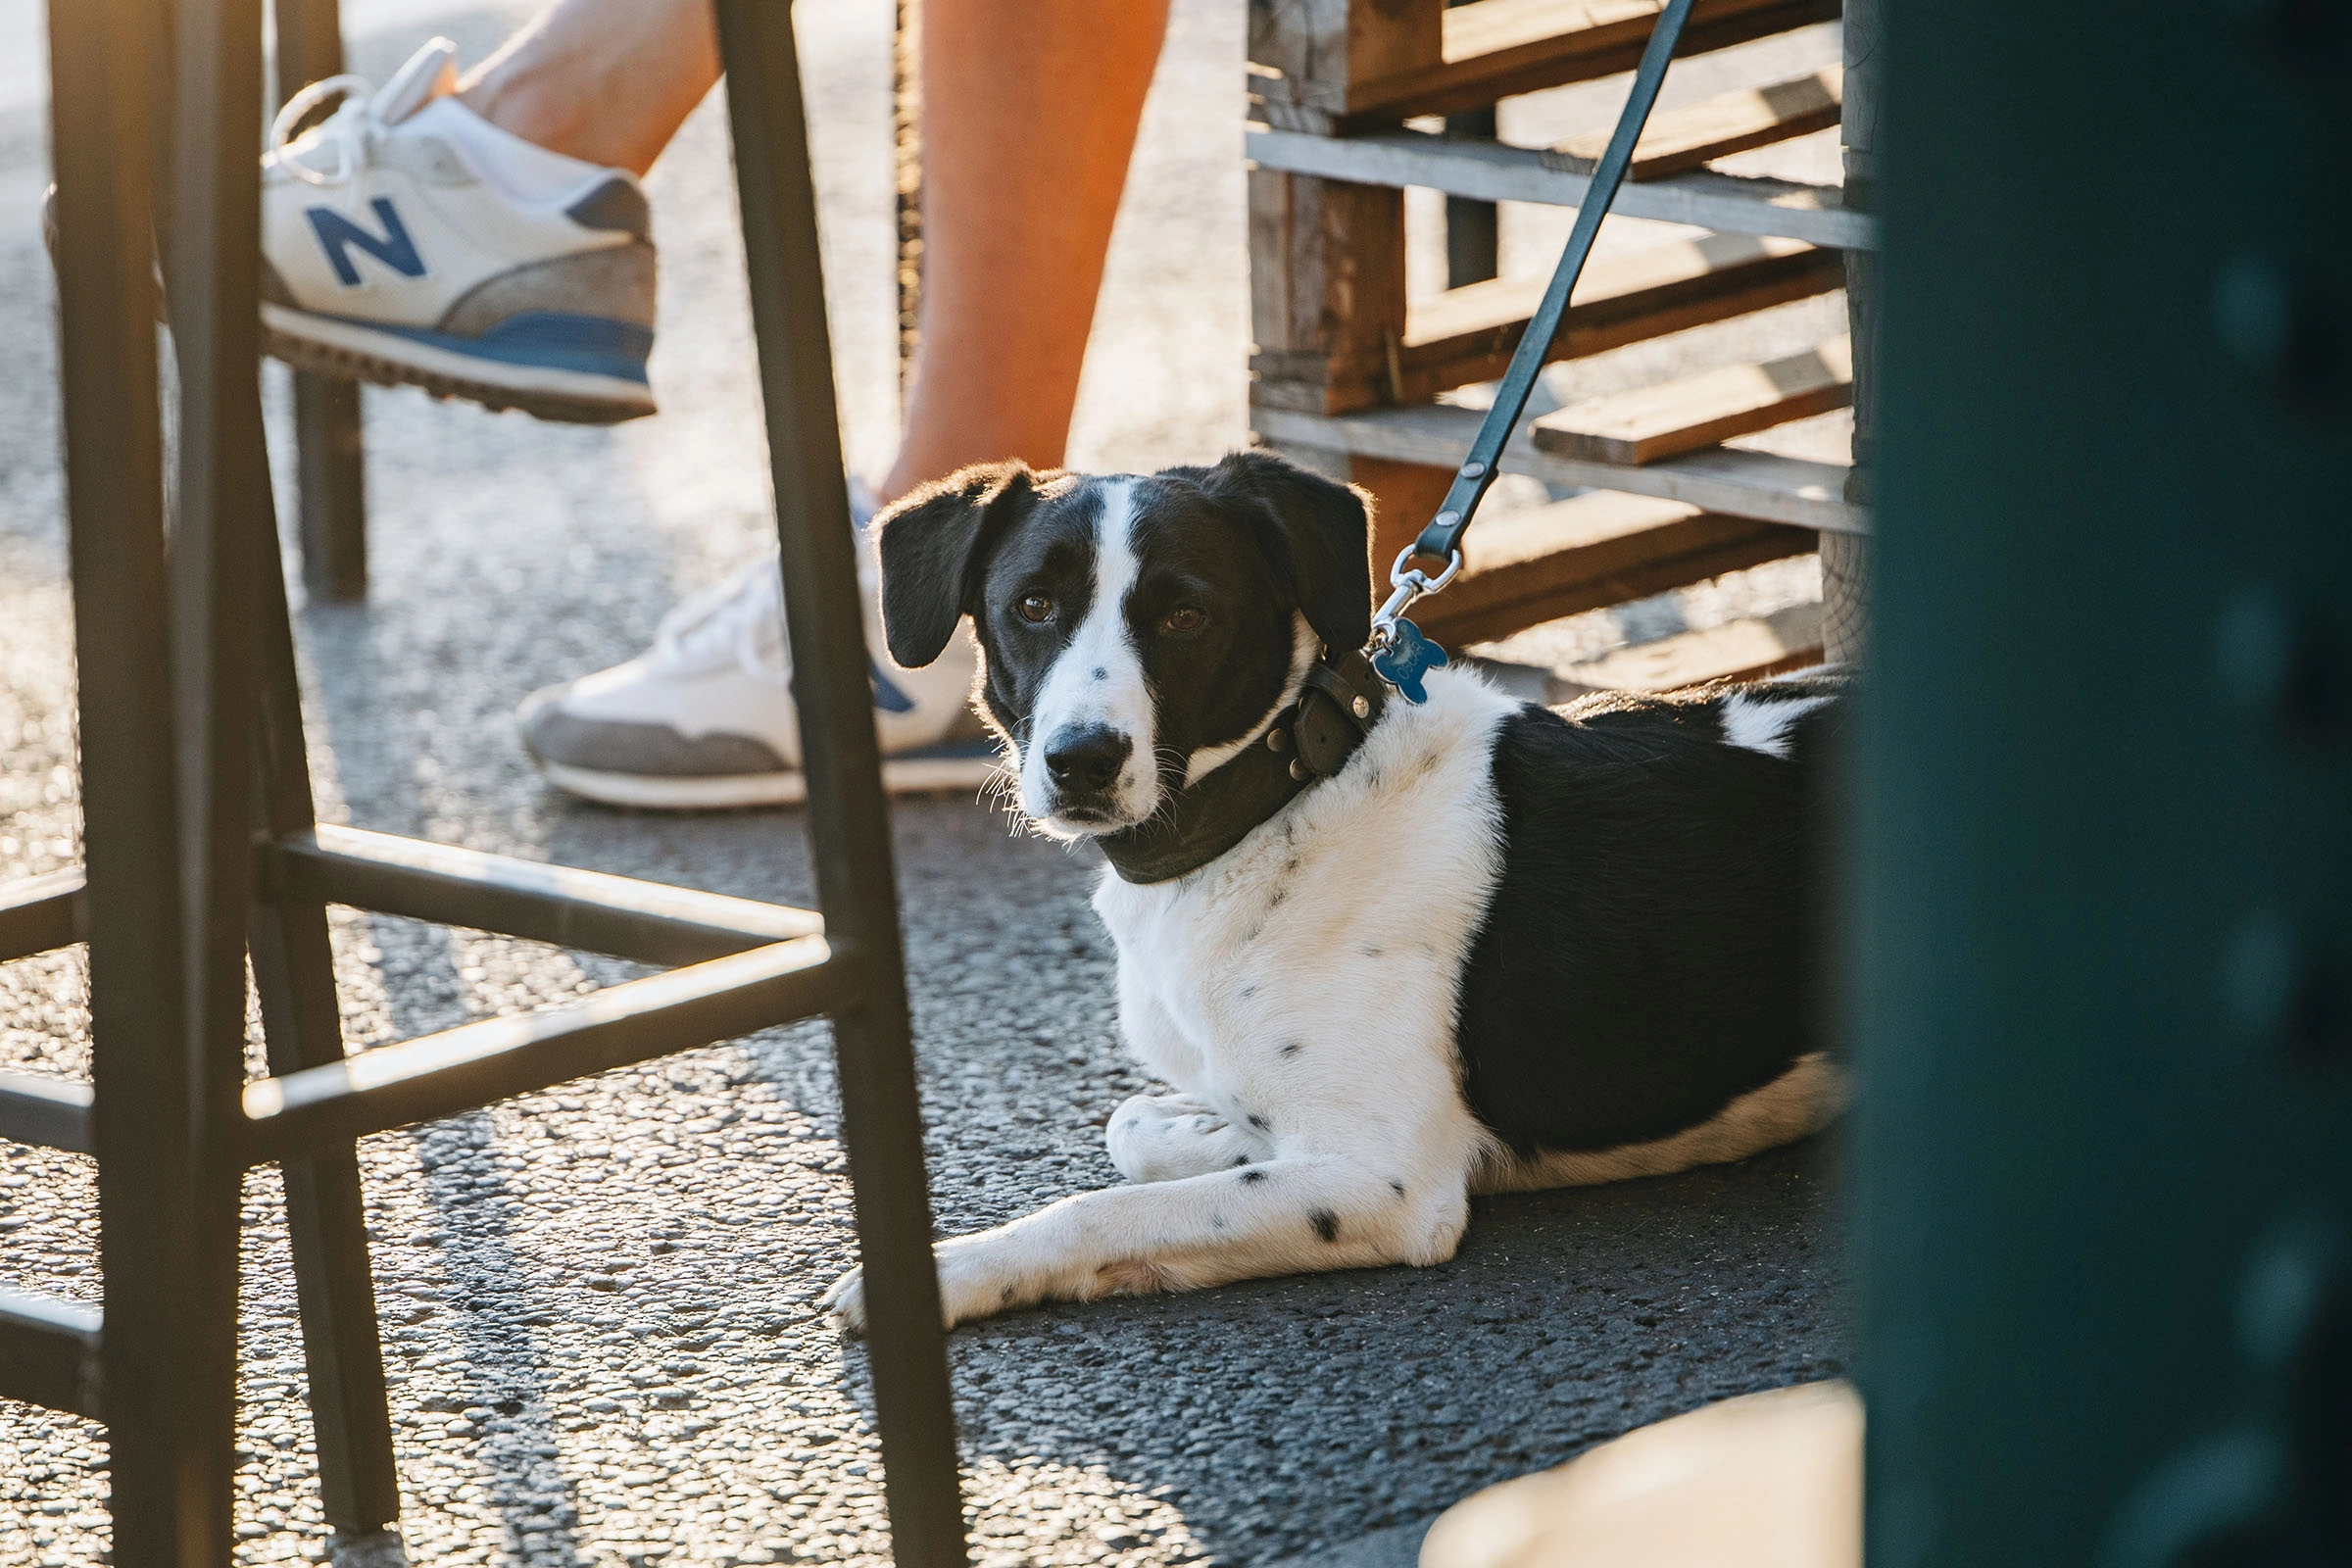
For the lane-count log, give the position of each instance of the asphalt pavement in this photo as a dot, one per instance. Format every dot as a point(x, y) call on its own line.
point(600, 1301)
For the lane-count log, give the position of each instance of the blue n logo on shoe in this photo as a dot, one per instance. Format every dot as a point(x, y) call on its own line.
point(393, 247)
point(887, 696)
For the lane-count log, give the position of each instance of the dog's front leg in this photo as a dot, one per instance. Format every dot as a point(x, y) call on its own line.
point(1288, 1215)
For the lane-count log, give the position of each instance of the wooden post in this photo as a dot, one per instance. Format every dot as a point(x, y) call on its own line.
point(1845, 557)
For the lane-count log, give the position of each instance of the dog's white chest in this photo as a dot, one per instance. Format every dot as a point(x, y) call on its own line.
point(1319, 959)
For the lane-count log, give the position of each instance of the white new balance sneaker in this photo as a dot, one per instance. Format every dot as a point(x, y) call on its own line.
point(406, 240)
point(705, 718)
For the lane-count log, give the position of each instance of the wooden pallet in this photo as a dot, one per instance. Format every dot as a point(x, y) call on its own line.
point(1701, 411)
point(1678, 141)
point(1339, 66)
point(1349, 376)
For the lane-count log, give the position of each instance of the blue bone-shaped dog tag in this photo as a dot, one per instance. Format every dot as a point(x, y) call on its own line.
point(1408, 658)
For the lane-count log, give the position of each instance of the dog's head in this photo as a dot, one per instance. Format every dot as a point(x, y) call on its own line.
point(1136, 631)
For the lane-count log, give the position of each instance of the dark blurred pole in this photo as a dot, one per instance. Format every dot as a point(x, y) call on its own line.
point(331, 489)
point(1473, 228)
point(2105, 792)
point(848, 817)
point(1473, 231)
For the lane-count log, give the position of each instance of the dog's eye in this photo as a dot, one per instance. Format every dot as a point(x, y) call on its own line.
point(1184, 619)
point(1036, 609)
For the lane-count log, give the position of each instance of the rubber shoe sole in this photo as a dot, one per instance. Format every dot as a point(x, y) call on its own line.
point(951, 770)
point(334, 346)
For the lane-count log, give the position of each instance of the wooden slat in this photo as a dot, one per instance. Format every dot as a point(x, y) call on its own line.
point(1732, 204)
point(1738, 650)
point(1602, 548)
point(1680, 139)
point(1701, 411)
point(1467, 335)
point(1491, 49)
point(1795, 491)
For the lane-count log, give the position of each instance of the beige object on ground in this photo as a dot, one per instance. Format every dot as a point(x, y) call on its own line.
point(1769, 1481)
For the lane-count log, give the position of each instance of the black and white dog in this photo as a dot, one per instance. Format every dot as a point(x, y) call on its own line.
point(1498, 947)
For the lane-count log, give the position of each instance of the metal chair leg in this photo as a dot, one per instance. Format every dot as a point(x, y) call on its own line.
point(201, 841)
point(331, 468)
point(849, 820)
point(293, 969)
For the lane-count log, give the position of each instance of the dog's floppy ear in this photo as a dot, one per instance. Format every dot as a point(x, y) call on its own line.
point(935, 544)
point(1318, 528)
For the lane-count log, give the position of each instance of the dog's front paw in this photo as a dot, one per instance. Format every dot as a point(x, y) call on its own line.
point(846, 1301)
point(978, 1277)
point(1166, 1138)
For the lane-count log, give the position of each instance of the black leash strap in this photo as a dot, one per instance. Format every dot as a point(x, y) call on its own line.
point(1443, 535)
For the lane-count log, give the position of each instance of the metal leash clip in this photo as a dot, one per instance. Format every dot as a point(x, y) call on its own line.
point(1399, 653)
point(1408, 586)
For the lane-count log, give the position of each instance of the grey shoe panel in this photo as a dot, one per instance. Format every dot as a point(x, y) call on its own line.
point(651, 751)
point(617, 204)
point(616, 282)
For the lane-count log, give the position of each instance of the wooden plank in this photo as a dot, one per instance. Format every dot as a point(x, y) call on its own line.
point(1678, 139)
point(1309, 50)
point(1326, 269)
point(1618, 301)
point(1468, 334)
point(1738, 650)
point(1491, 49)
point(1602, 548)
point(1795, 491)
point(1732, 204)
point(1701, 411)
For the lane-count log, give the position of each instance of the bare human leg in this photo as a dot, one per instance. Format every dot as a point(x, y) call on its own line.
point(1030, 111)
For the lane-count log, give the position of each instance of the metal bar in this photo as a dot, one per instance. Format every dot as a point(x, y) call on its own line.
point(41, 912)
point(331, 481)
point(47, 1112)
point(1729, 204)
point(331, 487)
point(585, 909)
point(224, 535)
point(476, 1063)
point(1443, 535)
point(1473, 227)
point(103, 58)
point(334, 1284)
point(848, 822)
point(49, 1352)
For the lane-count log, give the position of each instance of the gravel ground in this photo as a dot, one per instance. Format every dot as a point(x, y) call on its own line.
point(599, 1301)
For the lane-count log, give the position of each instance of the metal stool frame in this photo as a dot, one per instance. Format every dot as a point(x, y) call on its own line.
point(202, 844)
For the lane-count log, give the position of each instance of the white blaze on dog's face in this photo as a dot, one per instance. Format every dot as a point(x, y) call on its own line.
point(1136, 631)
point(1090, 722)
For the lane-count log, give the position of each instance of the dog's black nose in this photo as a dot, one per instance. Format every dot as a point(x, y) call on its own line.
point(1086, 758)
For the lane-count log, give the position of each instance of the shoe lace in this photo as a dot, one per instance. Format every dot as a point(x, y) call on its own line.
point(352, 130)
point(739, 617)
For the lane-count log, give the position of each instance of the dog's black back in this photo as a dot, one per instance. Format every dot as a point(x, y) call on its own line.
point(1652, 951)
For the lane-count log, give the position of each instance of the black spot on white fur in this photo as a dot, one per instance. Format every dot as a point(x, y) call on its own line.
point(1261, 1122)
point(1325, 1224)
point(1253, 1175)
